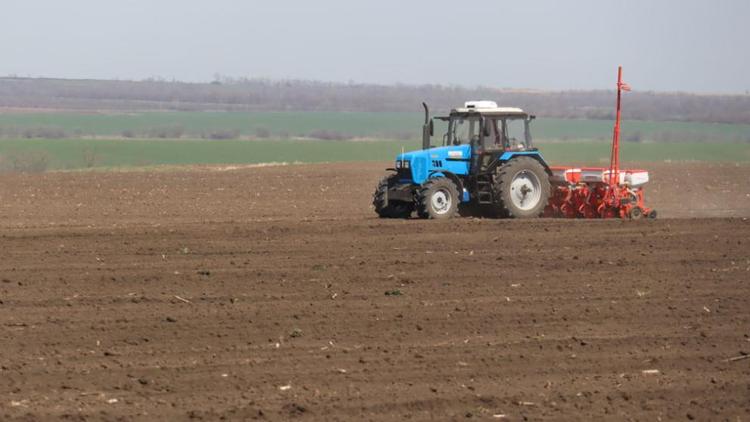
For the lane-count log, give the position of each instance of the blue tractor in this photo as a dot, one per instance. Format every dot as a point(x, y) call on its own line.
point(486, 165)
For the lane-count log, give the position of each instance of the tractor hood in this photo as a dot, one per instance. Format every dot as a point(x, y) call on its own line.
point(424, 163)
point(458, 152)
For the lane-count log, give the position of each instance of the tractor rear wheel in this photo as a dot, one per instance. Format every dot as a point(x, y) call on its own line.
point(522, 188)
point(390, 209)
point(437, 198)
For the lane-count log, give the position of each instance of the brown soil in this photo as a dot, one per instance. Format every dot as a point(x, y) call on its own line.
point(274, 293)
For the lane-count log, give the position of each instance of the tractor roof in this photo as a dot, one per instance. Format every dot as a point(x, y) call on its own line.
point(493, 111)
point(488, 108)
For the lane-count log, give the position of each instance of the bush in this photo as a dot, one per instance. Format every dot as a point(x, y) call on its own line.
point(166, 132)
point(127, 133)
point(223, 134)
point(401, 136)
point(634, 137)
point(262, 133)
point(328, 135)
point(43, 132)
point(25, 162)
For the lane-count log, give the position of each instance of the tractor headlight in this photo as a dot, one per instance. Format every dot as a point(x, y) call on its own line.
point(402, 164)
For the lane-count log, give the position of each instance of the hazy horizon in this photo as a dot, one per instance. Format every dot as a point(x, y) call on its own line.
point(683, 46)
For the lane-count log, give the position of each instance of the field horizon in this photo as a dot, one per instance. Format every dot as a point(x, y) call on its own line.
point(39, 155)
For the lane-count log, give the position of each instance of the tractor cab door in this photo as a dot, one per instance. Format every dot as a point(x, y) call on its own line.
point(491, 143)
point(485, 145)
point(494, 139)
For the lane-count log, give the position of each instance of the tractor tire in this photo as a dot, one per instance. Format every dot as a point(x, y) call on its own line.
point(394, 209)
point(437, 198)
point(522, 188)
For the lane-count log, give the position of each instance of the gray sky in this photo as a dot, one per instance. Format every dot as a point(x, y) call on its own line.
point(665, 45)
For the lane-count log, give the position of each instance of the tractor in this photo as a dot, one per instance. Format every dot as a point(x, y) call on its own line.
point(486, 164)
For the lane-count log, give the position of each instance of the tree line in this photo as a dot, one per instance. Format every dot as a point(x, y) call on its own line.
point(226, 94)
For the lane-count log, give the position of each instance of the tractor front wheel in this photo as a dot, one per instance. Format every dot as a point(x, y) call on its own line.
point(437, 198)
point(389, 209)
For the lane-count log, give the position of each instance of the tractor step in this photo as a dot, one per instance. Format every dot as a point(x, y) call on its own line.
point(484, 192)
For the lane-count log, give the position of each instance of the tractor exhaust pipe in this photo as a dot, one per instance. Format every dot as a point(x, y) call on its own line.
point(427, 129)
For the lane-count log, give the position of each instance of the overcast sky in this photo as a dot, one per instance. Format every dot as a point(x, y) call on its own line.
point(664, 45)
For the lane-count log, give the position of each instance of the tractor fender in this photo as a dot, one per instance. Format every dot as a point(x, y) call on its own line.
point(509, 155)
point(452, 176)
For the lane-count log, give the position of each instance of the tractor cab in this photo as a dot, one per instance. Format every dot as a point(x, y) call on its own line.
point(486, 127)
point(489, 131)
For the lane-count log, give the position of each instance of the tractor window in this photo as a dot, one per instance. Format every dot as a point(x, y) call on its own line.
point(496, 138)
point(516, 133)
point(461, 130)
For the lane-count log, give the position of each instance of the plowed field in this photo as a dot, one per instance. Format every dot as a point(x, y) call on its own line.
point(274, 293)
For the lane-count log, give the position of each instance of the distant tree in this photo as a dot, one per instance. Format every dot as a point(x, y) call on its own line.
point(634, 137)
point(224, 134)
point(262, 133)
